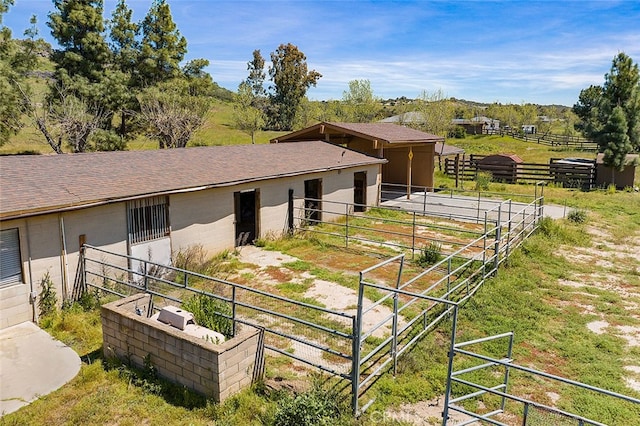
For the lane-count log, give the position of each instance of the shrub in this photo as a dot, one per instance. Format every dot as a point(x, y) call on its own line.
point(48, 300)
point(458, 132)
point(483, 179)
point(211, 313)
point(314, 407)
point(577, 216)
point(430, 254)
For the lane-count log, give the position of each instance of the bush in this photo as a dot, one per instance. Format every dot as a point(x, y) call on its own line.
point(458, 132)
point(577, 216)
point(483, 179)
point(430, 254)
point(47, 300)
point(211, 313)
point(314, 407)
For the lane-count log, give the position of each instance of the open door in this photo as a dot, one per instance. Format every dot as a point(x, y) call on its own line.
point(313, 201)
point(360, 191)
point(247, 206)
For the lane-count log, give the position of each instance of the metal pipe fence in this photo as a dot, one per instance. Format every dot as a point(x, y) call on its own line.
point(531, 413)
point(308, 333)
point(356, 348)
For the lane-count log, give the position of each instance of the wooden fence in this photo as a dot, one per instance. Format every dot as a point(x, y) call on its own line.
point(557, 171)
point(561, 141)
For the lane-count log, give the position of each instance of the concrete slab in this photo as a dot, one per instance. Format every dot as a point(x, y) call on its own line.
point(465, 208)
point(32, 364)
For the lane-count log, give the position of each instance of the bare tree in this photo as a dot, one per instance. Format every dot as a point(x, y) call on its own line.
point(66, 117)
point(171, 115)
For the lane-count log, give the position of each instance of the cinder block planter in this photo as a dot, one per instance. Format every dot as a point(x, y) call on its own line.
point(215, 370)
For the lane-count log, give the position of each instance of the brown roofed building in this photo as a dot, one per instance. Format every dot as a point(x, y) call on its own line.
point(410, 153)
point(151, 204)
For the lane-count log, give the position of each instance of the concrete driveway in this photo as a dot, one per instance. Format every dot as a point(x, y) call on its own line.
point(32, 364)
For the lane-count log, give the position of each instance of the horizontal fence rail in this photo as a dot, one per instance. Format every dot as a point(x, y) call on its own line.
point(358, 347)
point(318, 330)
point(532, 413)
point(557, 171)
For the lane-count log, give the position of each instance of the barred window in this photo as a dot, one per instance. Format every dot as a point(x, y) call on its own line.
point(10, 260)
point(148, 219)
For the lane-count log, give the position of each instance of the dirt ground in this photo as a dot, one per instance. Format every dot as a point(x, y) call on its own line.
point(611, 264)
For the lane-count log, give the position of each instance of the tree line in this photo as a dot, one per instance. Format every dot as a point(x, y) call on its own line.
point(115, 79)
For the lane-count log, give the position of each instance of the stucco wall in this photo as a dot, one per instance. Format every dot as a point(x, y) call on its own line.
point(42, 248)
point(201, 217)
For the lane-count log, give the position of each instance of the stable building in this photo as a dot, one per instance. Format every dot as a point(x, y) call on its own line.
point(410, 153)
point(151, 204)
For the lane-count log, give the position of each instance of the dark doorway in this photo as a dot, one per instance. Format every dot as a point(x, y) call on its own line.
point(313, 200)
point(247, 205)
point(359, 191)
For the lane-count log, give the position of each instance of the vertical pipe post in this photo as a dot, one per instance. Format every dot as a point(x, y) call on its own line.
point(506, 372)
point(413, 237)
point(233, 310)
point(146, 277)
point(355, 362)
point(509, 232)
point(447, 395)
point(290, 212)
point(394, 325)
point(346, 226)
point(496, 248)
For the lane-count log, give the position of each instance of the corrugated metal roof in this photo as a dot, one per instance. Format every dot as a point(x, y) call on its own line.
point(37, 183)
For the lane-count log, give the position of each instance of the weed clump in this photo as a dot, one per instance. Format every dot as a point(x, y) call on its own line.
point(211, 313)
point(577, 216)
point(430, 254)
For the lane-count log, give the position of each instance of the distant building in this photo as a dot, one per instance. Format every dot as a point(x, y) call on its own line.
point(478, 125)
point(529, 129)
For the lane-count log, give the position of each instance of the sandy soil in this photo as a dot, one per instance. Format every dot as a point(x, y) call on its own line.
point(610, 260)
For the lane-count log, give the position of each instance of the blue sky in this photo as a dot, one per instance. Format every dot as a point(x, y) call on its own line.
point(542, 52)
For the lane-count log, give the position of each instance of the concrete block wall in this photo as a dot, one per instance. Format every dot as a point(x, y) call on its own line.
point(217, 371)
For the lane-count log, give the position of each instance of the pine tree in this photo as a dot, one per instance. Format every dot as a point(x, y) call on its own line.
point(125, 50)
point(162, 46)
point(291, 79)
point(614, 141)
point(256, 74)
point(78, 27)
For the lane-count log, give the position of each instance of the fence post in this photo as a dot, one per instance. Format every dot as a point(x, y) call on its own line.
point(346, 226)
point(506, 372)
point(424, 203)
point(394, 324)
point(509, 232)
point(146, 276)
point(355, 348)
point(83, 265)
point(233, 310)
point(447, 394)
point(496, 261)
point(413, 237)
point(290, 212)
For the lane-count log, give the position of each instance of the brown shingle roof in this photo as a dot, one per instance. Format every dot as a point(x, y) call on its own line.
point(384, 132)
point(39, 183)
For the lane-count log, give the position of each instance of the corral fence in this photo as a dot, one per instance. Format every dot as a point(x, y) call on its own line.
point(307, 333)
point(460, 204)
point(469, 383)
point(560, 141)
point(357, 348)
point(567, 173)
